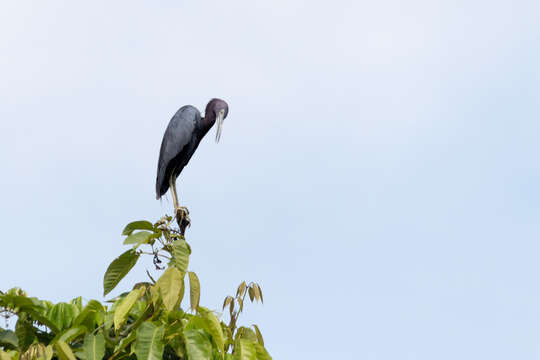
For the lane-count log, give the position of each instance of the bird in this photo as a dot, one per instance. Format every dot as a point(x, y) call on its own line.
point(185, 131)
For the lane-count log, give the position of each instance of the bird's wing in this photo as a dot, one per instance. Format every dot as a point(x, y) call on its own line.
point(178, 134)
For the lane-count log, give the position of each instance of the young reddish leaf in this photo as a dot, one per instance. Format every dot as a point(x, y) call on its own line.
point(241, 289)
point(259, 290)
point(256, 293)
point(240, 303)
point(227, 301)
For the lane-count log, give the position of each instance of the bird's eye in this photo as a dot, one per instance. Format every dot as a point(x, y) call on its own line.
point(221, 111)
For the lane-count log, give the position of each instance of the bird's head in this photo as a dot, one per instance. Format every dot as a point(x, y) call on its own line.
point(218, 109)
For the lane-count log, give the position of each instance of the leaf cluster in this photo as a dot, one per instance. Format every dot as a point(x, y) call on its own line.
point(147, 322)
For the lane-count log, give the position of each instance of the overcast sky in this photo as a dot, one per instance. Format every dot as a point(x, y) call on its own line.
point(378, 173)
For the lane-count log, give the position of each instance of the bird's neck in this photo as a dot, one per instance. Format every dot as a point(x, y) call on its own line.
point(208, 121)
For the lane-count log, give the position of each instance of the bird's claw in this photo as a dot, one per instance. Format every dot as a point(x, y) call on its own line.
point(181, 212)
point(182, 218)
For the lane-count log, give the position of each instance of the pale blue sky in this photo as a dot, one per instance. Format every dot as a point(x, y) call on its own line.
point(377, 175)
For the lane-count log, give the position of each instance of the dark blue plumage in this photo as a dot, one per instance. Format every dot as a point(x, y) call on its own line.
point(182, 137)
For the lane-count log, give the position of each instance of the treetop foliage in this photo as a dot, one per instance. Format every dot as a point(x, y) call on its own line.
point(147, 322)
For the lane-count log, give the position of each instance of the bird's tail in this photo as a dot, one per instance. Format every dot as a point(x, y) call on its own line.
point(159, 180)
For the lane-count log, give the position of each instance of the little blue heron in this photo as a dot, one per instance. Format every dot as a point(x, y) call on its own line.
point(182, 137)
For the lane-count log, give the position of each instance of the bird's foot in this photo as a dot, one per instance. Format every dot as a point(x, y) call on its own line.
point(181, 212)
point(182, 218)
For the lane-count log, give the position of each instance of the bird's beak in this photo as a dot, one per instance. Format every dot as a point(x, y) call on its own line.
point(219, 121)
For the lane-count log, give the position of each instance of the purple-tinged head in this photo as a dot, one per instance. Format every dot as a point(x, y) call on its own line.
point(217, 109)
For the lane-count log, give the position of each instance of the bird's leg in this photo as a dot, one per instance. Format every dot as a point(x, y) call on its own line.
point(176, 203)
point(172, 186)
point(181, 213)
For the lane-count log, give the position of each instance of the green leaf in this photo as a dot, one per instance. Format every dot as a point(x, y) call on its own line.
point(245, 350)
point(125, 342)
point(138, 238)
point(13, 300)
point(8, 339)
point(259, 335)
point(78, 304)
point(79, 354)
point(39, 314)
point(149, 345)
point(246, 333)
point(227, 333)
point(4, 355)
point(196, 322)
point(69, 334)
point(154, 294)
point(137, 225)
point(64, 351)
point(194, 290)
point(25, 333)
point(198, 345)
point(173, 334)
point(108, 320)
point(122, 310)
point(170, 286)
point(62, 315)
point(94, 346)
point(213, 326)
point(118, 269)
point(180, 255)
point(262, 354)
point(89, 313)
point(141, 304)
